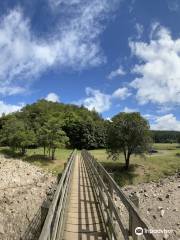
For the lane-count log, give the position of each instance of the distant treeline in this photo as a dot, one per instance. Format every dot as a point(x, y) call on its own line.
point(36, 124)
point(166, 136)
point(51, 125)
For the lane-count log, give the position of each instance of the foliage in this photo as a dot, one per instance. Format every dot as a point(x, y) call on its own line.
point(84, 128)
point(52, 124)
point(128, 133)
point(165, 136)
point(16, 134)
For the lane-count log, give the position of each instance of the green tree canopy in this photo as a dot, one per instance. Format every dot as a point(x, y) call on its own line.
point(128, 133)
point(16, 134)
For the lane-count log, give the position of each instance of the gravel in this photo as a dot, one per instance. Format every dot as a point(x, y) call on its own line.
point(23, 188)
point(161, 205)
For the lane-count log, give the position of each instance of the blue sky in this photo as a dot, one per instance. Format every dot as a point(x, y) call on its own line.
point(109, 55)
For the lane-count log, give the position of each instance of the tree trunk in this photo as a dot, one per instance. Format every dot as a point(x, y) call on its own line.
point(53, 153)
point(23, 151)
point(127, 162)
point(44, 151)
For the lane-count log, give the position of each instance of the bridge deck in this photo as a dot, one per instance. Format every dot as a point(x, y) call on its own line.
point(83, 218)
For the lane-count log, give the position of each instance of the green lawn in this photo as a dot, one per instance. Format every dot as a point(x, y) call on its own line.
point(35, 156)
point(143, 169)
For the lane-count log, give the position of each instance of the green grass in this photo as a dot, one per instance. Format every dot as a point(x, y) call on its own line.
point(143, 169)
point(36, 157)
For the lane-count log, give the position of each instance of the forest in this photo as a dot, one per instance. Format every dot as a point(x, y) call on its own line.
point(54, 125)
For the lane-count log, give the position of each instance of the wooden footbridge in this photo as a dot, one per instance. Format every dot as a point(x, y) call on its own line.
point(89, 205)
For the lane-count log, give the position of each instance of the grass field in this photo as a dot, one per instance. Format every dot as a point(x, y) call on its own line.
point(35, 156)
point(142, 169)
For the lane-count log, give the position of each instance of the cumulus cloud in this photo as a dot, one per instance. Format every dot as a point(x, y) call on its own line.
point(52, 97)
point(75, 43)
point(166, 122)
point(140, 29)
point(129, 110)
point(97, 100)
point(158, 69)
point(121, 93)
point(173, 5)
point(9, 108)
point(100, 101)
point(118, 72)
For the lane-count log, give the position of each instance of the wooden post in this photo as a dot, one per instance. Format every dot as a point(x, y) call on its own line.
point(132, 220)
point(44, 211)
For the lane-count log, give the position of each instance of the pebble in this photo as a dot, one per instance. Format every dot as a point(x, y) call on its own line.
point(175, 210)
point(162, 212)
point(167, 195)
point(166, 236)
point(1, 229)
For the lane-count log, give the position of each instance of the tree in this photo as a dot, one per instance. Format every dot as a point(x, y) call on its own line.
point(16, 134)
point(178, 138)
point(128, 133)
point(52, 136)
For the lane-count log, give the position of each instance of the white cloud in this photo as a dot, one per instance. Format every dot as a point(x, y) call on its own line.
point(116, 73)
point(150, 116)
point(96, 100)
point(8, 91)
point(9, 108)
point(166, 122)
point(52, 97)
point(129, 110)
point(173, 5)
point(159, 68)
point(56, 3)
point(140, 29)
point(102, 102)
point(75, 43)
point(121, 93)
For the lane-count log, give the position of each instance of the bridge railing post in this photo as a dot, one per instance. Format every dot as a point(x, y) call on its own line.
point(133, 222)
point(44, 211)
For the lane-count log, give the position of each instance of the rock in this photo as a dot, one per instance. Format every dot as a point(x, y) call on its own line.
point(160, 208)
point(160, 199)
point(166, 236)
point(146, 195)
point(162, 212)
point(1, 229)
point(154, 216)
point(170, 191)
point(167, 195)
point(175, 210)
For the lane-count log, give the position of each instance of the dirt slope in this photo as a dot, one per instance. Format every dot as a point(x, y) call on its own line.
point(23, 187)
point(160, 204)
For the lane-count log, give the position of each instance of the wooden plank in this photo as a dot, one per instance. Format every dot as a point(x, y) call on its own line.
point(104, 181)
point(47, 228)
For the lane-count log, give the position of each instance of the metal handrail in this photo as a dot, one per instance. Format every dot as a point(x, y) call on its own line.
point(105, 188)
point(52, 228)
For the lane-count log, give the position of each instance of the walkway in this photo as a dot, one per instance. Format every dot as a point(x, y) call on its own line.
point(83, 218)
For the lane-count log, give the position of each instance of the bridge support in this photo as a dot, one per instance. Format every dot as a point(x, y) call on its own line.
point(44, 211)
point(132, 219)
